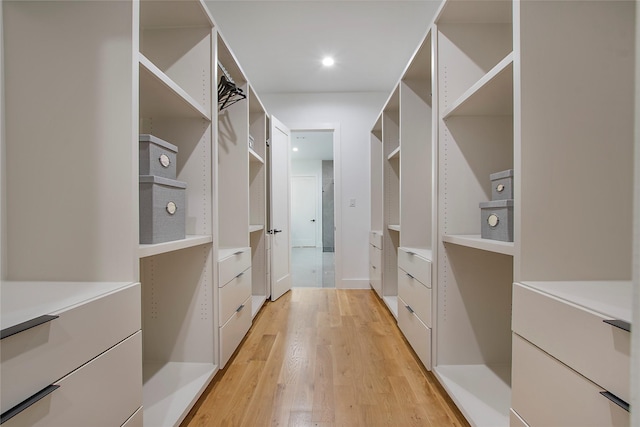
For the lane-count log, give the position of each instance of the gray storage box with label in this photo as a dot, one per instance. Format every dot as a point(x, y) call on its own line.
point(502, 185)
point(162, 209)
point(157, 157)
point(497, 220)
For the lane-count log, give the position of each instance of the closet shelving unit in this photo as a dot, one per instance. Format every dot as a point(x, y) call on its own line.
point(391, 199)
point(177, 47)
point(583, 112)
point(377, 207)
point(258, 129)
point(475, 138)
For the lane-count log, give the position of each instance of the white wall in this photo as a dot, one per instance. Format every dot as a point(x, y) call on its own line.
point(355, 113)
point(312, 168)
point(635, 351)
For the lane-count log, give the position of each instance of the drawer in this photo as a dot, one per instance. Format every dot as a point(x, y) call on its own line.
point(375, 239)
point(233, 294)
point(576, 336)
point(233, 331)
point(375, 257)
point(232, 265)
point(104, 392)
point(416, 295)
point(415, 265)
point(515, 420)
point(135, 420)
point(37, 357)
point(416, 332)
point(375, 279)
point(546, 392)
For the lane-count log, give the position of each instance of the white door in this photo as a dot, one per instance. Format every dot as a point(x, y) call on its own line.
point(304, 197)
point(280, 208)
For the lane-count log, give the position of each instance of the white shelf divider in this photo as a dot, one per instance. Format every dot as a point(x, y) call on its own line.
point(170, 389)
point(477, 242)
point(175, 245)
point(491, 95)
point(161, 96)
point(394, 154)
point(255, 157)
point(394, 227)
point(255, 227)
point(481, 392)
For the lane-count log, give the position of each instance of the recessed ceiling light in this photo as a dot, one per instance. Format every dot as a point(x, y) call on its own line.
point(295, 148)
point(328, 61)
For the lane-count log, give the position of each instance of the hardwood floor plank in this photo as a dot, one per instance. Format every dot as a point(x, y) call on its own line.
point(324, 358)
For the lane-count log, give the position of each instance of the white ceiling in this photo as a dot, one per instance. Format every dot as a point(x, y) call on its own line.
point(312, 145)
point(280, 44)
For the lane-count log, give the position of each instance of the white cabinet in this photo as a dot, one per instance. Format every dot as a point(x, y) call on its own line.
point(66, 359)
point(571, 348)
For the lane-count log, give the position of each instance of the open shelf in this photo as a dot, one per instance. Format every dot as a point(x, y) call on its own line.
point(491, 95)
point(481, 392)
point(160, 248)
point(395, 154)
point(256, 303)
point(394, 227)
point(255, 227)
point(477, 242)
point(162, 97)
point(392, 303)
point(186, 382)
point(254, 157)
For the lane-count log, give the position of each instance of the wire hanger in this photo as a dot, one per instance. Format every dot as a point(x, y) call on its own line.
point(228, 92)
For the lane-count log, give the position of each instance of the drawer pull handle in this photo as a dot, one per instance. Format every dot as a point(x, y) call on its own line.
point(410, 276)
point(239, 308)
point(409, 308)
point(27, 403)
point(615, 399)
point(625, 326)
point(238, 253)
point(21, 327)
point(374, 267)
point(239, 274)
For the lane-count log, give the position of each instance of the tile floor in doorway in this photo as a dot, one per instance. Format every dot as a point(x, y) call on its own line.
point(312, 268)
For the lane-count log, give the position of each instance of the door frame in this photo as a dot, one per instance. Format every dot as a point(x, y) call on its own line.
point(337, 187)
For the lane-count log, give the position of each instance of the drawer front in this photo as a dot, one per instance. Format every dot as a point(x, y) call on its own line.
point(515, 420)
point(416, 332)
point(375, 279)
point(576, 337)
point(231, 266)
point(375, 239)
point(233, 295)
point(416, 266)
point(102, 393)
point(546, 392)
point(416, 295)
point(233, 331)
point(37, 357)
point(375, 257)
point(135, 420)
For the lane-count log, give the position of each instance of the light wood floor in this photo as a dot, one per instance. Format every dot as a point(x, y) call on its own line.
point(324, 357)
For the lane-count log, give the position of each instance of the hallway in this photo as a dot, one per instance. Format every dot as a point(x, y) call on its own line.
point(324, 357)
point(312, 268)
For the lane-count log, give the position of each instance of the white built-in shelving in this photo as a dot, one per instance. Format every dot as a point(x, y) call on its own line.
point(176, 52)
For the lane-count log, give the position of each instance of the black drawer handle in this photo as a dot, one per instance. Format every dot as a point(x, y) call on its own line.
point(615, 399)
point(21, 327)
point(28, 402)
point(239, 308)
point(408, 307)
point(625, 326)
point(239, 274)
point(238, 253)
point(373, 266)
point(410, 276)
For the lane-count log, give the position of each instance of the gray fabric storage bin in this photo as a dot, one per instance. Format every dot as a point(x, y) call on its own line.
point(502, 185)
point(497, 220)
point(157, 157)
point(162, 209)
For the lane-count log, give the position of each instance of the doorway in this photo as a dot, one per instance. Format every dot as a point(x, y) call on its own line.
point(312, 209)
